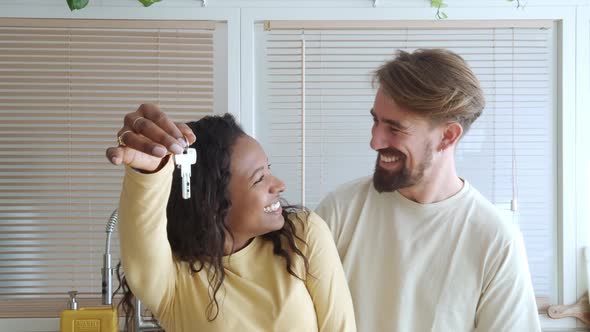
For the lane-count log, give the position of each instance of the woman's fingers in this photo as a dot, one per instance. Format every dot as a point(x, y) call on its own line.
point(126, 156)
point(115, 155)
point(141, 143)
point(186, 132)
point(148, 121)
point(147, 136)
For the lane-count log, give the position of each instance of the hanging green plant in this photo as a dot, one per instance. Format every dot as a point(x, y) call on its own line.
point(79, 4)
point(76, 4)
point(147, 3)
point(441, 15)
point(439, 4)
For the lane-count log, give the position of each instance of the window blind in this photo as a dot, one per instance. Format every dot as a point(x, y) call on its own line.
point(65, 86)
point(314, 94)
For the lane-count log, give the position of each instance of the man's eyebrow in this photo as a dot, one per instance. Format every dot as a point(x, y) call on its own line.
point(390, 122)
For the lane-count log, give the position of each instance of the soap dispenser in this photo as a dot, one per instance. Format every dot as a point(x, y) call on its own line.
point(91, 319)
point(72, 303)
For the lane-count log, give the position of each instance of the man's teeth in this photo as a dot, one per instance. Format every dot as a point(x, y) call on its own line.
point(273, 207)
point(388, 159)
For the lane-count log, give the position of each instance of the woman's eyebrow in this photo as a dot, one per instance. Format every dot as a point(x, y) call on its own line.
point(259, 169)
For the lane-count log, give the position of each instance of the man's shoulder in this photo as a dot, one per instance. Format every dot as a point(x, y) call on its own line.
point(344, 202)
point(347, 191)
point(488, 221)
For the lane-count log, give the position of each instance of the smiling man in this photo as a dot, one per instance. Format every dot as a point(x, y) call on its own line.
point(422, 249)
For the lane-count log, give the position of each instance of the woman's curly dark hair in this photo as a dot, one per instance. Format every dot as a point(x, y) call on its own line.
point(197, 228)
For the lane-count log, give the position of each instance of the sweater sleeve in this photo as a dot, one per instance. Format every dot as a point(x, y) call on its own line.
point(326, 282)
point(508, 301)
point(146, 255)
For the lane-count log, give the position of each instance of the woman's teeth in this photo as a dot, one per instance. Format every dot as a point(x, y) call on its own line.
point(388, 159)
point(273, 207)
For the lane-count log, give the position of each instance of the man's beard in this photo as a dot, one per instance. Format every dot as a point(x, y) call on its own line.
point(387, 181)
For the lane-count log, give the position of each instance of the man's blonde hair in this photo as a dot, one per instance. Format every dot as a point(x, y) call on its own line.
point(435, 84)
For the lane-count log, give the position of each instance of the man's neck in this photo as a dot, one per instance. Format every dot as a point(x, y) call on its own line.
point(441, 183)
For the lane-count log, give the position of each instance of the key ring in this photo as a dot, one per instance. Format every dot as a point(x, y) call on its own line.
point(187, 145)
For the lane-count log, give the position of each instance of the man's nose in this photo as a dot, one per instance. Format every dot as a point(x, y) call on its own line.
point(378, 140)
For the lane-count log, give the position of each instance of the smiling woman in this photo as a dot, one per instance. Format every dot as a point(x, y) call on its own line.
point(255, 194)
point(233, 256)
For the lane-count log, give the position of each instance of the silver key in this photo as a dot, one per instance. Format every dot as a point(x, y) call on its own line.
point(184, 162)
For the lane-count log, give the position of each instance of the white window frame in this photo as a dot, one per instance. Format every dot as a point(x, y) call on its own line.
point(582, 140)
point(570, 199)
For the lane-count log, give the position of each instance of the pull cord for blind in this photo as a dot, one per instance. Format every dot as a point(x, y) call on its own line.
point(514, 201)
point(303, 117)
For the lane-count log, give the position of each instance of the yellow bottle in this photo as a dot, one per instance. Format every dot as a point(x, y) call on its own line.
point(91, 319)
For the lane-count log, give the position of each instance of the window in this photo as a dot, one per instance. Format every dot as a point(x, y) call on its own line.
point(314, 94)
point(65, 86)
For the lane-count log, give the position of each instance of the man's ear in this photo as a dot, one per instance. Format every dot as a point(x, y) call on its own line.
point(452, 132)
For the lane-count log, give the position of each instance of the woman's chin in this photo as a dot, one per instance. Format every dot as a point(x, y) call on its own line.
point(275, 220)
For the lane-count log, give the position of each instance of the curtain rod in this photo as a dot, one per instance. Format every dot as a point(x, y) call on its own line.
point(404, 24)
point(100, 23)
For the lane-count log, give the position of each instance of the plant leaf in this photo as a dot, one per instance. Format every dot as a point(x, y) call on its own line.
point(77, 4)
point(438, 4)
point(147, 3)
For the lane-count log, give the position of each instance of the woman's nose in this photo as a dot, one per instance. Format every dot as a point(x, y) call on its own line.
point(277, 186)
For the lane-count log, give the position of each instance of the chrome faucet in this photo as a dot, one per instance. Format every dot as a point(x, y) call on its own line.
point(107, 269)
point(139, 324)
point(142, 325)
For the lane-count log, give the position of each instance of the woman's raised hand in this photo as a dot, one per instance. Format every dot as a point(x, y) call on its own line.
point(147, 137)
